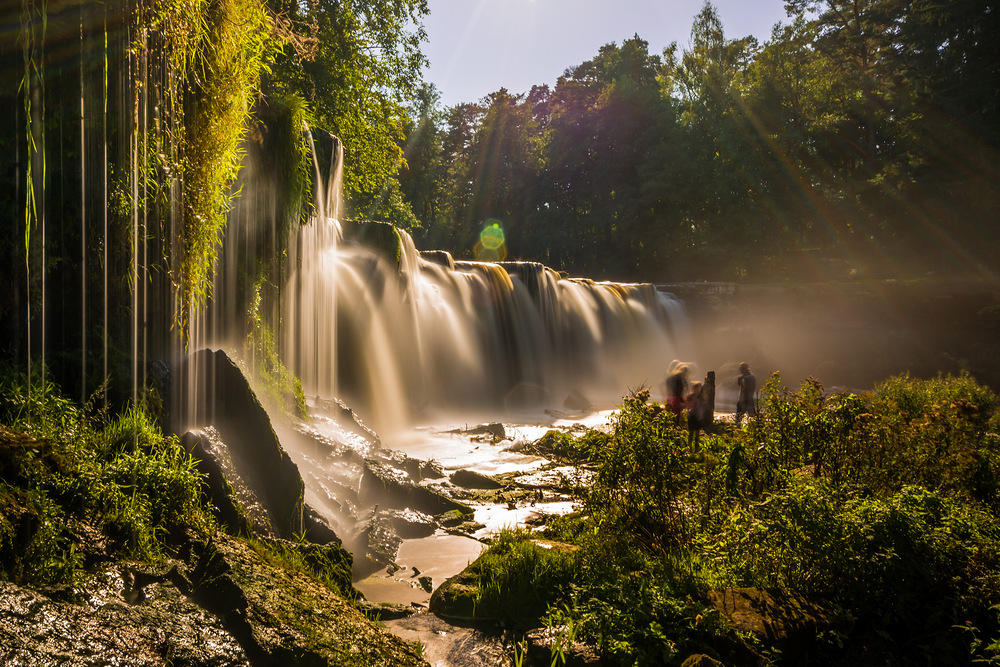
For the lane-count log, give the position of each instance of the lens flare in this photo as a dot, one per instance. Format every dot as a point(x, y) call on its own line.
point(492, 246)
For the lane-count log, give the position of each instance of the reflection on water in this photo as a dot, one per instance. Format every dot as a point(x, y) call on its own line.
point(438, 556)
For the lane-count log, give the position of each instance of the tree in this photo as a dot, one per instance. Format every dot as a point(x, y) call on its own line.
point(356, 63)
point(421, 176)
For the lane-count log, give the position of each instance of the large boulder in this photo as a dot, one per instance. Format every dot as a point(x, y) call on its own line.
point(226, 401)
point(224, 604)
point(281, 618)
point(788, 623)
point(382, 484)
point(236, 504)
point(470, 479)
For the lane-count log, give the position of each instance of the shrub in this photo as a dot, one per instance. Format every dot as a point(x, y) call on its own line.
point(643, 474)
point(126, 478)
point(518, 578)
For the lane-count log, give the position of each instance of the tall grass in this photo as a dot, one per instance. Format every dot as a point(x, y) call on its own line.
point(62, 465)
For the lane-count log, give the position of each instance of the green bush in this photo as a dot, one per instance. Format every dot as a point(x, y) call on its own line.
point(518, 579)
point(882, 505)
point(126, 478)
point(643, 474)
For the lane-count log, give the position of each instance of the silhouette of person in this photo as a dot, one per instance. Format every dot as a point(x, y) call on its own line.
point(746, 404)
point(676, 386)
point(696, 407)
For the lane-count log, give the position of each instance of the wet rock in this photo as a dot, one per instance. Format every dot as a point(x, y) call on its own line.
point(349, 420)
point(456, 645)
point(244, 426)
point(416, 469)
point(281, 618)
point(386, 611)
point(451, 518)
point(577, 401)
point(235, 503)
point(471, 479)
point(36, 629)
point(426, 583)
point(465, 528)
point(388, 486)
point(455, 599)
point(317, 528)
point(375, 545)
point(410, 524)
point(494, 429)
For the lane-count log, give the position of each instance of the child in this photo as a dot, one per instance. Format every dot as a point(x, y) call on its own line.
point(696, 405)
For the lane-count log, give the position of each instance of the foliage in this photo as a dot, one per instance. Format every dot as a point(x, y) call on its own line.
point(517, 579)
point(642, 476)
point(857, 126)
point(62, 466)
point(355, 63)
point(216, 52)
point(879, 507)
point(330, 564)
point(275, 383)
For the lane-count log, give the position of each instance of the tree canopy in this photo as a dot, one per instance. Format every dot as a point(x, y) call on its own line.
point(861, 138)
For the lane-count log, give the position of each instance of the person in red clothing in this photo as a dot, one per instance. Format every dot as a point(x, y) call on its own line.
point(676, 388)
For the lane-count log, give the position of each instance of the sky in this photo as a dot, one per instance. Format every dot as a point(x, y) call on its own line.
point(476, 47)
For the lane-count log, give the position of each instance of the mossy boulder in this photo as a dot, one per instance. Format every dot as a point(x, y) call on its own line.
point(257, 457)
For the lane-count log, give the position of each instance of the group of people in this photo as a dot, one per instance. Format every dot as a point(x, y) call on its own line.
point(693, 399)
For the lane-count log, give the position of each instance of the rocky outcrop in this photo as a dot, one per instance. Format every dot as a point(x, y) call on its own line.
point(375, 545)
point(787, 623)
point(222, 604)
point(236, 505)
point(470, 479)
point(388, 486)
point(251, 446)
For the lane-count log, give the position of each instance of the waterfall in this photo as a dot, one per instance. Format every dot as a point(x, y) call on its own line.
point(426, 340)
point(403, 336)
point(310, 323)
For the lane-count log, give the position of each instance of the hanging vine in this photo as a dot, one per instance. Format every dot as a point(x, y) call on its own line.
point(214, 52)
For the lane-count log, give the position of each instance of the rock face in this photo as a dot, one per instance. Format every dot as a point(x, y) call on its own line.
point(470, 479)
point(251, 446)
point(383, 484)
point(223, 604)
point(236, 505)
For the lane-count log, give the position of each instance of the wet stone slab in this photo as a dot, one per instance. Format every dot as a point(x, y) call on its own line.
point(103, 629)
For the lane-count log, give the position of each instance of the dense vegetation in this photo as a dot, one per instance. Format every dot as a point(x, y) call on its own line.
point(879, 512)
point(861, 136)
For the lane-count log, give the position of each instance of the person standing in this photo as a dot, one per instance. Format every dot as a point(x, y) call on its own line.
point(746, 404)
point(697, 407)
point(676, 388)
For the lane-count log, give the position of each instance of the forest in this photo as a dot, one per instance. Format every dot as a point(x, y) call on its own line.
point(859, 140)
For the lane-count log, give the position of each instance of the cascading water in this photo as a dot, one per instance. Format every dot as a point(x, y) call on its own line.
point(403, 337)
point(422, 340)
